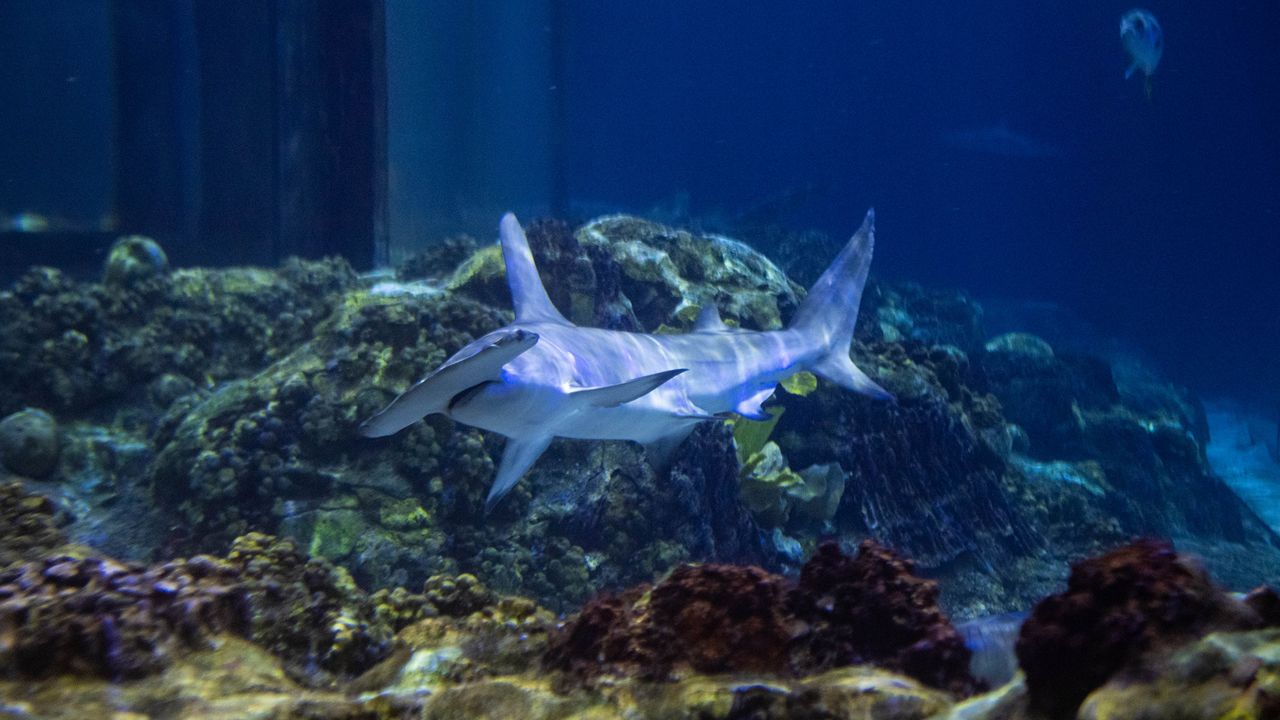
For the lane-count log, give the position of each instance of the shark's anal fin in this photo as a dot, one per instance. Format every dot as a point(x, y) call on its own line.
point(434, 393)
point(662, 452)
point(614, 395)
point(750, 407)
point(532, 304)
point(708, 320)
point(518, 456)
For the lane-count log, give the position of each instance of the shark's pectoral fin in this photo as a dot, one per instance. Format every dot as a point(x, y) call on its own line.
point(662, 452)
point(708, 320)
point(434, 393)
point(517, 458)
point(613, 395)
point(751, 407)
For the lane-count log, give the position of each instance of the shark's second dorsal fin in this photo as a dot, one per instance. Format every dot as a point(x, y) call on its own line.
point(708, 320)
point(527, 293)
point(613, 395)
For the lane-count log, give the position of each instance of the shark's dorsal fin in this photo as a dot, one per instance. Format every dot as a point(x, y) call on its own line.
point(708, 320)
point(527, 293)
point(614, 395)
point(433, 393)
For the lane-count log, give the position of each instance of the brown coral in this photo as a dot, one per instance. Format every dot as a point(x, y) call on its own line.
point(1115, 608)
point(871, 608)
point(724, 618)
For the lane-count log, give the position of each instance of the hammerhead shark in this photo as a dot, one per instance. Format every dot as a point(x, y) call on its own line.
point(543, 377)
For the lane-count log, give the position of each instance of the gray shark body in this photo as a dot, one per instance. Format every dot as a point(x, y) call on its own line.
point(543, 377)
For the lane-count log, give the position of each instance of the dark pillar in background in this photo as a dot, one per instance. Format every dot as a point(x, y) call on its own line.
point(148, 67)
point(331, 129)
point(284, 103)
point(239, 99)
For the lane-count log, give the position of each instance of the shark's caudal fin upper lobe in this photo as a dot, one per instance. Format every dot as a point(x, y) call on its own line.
point(830, 311)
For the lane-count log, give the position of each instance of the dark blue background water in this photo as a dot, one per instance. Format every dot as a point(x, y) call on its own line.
point(1158, 219)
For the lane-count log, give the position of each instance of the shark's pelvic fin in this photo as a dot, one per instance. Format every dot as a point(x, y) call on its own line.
point(662, 452)
point(840, 370)
point(532, 304)
point(517, 458)
point(751, 407)
point(708, 320)
point(831, 309)
point(614, 395)
point(434, 393)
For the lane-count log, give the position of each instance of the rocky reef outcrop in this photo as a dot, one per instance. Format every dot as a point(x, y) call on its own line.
point(197, 406)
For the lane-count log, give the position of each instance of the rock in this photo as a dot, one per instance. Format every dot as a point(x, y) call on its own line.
point(1222, 675)
point(134, 258)
point(1019, 344)
point(29, 443)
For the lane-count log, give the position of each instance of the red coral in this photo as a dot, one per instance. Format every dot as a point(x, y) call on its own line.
point(727, 618)
point(1115, 608)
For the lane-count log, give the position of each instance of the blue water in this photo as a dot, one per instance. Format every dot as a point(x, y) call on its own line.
point(999, 141)
point(1157, 218)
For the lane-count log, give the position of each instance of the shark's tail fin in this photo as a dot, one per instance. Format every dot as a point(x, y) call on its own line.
point(828, 314)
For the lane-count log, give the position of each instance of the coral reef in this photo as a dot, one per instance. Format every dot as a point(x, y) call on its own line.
point(70, 346)
point(97, 617)
point(197, 406)
point(869, 609)
point(1116, 609)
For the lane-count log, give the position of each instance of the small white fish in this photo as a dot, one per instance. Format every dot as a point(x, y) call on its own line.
point(1143, 40)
